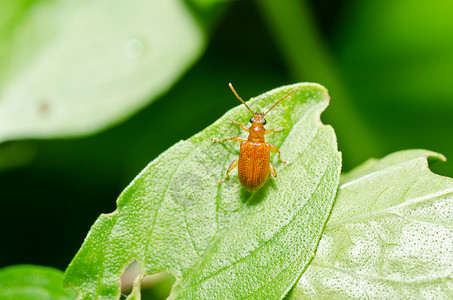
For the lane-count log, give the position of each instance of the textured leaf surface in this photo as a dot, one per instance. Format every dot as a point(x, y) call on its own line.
point(220, 241)
point(390, 234)
point(74, 67)
point(33, 282)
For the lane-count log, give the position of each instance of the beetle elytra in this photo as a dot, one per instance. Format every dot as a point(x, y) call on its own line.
point(254, 163)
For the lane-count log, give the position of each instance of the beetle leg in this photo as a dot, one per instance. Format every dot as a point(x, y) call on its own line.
point(272, 170)
point(232, 166)
point(273, 148)
point(240, 125)
point(236, 138)
point(274, 130)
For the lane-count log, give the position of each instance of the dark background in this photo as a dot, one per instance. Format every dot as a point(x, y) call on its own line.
point(390, 82)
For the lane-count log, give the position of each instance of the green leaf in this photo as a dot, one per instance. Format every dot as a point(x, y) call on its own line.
point(33, 282)
point(75, 67)
point(390, 234)
point(220, 241)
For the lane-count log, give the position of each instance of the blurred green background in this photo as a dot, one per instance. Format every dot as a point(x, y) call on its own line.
point(387, 64)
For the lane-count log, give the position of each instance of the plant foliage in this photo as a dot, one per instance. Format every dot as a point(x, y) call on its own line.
point(33, 282)
point(390, 234)
point(77, 69)
point(220, 241)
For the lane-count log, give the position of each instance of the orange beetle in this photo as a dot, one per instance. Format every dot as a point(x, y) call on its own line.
point(254, 156)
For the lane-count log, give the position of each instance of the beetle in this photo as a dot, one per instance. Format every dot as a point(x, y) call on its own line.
point(254, 163)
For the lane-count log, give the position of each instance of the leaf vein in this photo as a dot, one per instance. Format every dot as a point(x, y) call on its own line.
point(377, 278)
point(163, 197)
point(426, 221)
point(277, 234)
point(389, 210)
point(296, 261)
point(378, 172)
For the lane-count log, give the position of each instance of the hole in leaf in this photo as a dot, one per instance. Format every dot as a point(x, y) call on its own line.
point(156, 286)
point(131, 272)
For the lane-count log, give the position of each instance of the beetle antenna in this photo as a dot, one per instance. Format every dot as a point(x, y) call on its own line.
point(237, 96)
point(279, 101)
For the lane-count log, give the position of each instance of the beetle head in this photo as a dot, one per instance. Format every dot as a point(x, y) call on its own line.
point(258, 119)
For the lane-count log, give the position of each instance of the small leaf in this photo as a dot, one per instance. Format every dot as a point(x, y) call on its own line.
point(390, 234)
point(220, 241)
point(75, 67)
point(33, 282)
